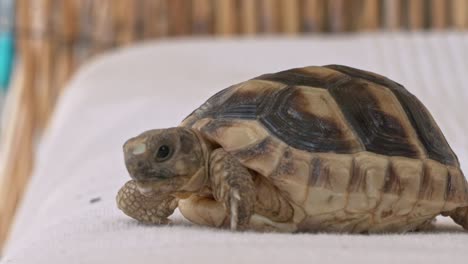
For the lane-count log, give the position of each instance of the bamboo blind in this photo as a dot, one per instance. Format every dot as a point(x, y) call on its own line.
point(55, 36)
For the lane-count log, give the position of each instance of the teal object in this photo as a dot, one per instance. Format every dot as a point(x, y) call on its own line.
point(6, 58)
point(7, 46)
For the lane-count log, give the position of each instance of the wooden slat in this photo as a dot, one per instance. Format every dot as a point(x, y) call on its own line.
point(124, 18)
point(369, 16)
point(68, 21)
point(179, 15)
point(248, 17)
point(460, 14)
point(438, 14)
point(22, 22)
point(313, 15)
point(336, 15)
point(225, 17)
point(290, 16)
point(43, 53)
point(102, 26)
point(83, 35)
point(416, 14)
point(202, 17)
point(392, 14)
point(269, 16)
point(65, 36)
point(17, 143)
point(12, 181)
point(155, 19)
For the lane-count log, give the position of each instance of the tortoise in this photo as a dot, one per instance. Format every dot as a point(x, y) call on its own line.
point(331, 148)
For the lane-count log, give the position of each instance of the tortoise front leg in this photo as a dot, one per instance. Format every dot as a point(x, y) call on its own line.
point(147, 209)
point(233, 186)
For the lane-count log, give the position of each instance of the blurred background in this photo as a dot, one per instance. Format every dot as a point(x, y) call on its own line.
point(43, 42)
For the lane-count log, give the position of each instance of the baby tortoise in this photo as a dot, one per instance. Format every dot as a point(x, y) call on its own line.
point(328, 148)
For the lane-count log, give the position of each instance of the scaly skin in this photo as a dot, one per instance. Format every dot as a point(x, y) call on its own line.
point(147, 209)
point(233, 186)
point(460, 216)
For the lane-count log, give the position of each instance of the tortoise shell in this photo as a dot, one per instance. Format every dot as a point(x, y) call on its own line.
point(335, 138)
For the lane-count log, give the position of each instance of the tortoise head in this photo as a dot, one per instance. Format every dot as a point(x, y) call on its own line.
point(162, 161)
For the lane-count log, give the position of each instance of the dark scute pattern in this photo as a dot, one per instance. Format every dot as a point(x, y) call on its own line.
point(392, 181)
point(319, 174)
point(214, 125)
point(315, 172)
point(286, 165)
point(232, 104)
point(255, 150)
point(449, 187)
point(356, 73)
point(242, 104)
point(425, 191)
point(294, 77)
point(207, 108)
point(429, 133)
point(246, 111)
point(284, 117)
point(358, 182)
point(427, 130)
point(381, 133)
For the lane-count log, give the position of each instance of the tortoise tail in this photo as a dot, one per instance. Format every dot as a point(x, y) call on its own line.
point(460, 216)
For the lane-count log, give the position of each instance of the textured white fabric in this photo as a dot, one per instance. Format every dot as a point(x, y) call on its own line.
point(156, 85)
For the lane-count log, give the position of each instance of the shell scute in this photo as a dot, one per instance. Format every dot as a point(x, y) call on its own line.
point(409, 172)
point(374, 113)
point(313, 76)
point(263, 157)
point(367, 181)
point(329, 175)
point(293, 116)
point(428, 132)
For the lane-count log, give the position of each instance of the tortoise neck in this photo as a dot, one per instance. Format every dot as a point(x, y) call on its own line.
point(201, 178)
point(205, 149)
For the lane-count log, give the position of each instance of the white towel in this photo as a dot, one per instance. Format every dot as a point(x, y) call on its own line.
point(69, 213)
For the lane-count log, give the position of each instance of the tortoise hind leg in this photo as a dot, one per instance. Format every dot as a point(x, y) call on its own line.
point(428, 225)
point(203, 211)
point(460, 216)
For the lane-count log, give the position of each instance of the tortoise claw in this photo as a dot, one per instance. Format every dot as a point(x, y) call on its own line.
point(235, 199)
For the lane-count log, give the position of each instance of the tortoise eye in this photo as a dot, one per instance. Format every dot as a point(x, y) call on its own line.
point(163, 153)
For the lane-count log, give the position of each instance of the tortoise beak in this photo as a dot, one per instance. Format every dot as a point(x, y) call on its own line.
point(154, 188)
point(145, 188)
